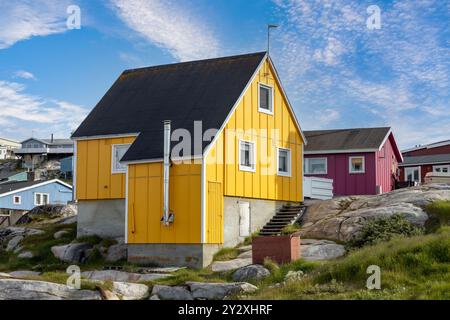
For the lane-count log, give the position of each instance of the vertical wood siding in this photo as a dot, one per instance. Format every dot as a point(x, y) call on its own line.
point(264, 183)
point(145, 204)
point(345, 183)
point(387, 165)
point(94, 179)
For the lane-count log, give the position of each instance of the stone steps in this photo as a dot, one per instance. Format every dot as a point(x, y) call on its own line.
point(285, 216)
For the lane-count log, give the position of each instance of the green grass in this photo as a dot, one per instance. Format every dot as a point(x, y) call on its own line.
point(290, 229)
point(225, 254)
point(439, 212)
point(411, 268)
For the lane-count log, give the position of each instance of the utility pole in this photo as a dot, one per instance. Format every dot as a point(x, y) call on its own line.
point(269, 27)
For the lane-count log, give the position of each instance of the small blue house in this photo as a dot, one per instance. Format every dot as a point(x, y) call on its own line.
point(29, 194)
point(67, 167)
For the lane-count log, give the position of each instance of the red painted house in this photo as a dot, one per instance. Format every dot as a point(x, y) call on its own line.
point(421, 160)
point(360, 161)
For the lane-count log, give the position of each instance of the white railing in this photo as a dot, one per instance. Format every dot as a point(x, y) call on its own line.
point(318, 188)
point(43, 150)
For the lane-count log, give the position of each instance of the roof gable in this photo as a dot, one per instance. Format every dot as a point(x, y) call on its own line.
point(140, 100)
point(15, 187)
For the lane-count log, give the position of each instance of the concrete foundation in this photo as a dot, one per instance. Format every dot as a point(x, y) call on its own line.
point(261, 211)
point(172, 255)
point(104, 218)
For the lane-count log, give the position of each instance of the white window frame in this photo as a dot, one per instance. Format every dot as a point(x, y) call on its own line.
point(113, 152)
point(245, 168)
point(41, 194)
point(272, 99)
point(350, 167)
point(18, 202)
point(318, 173)
point(289, 163)
point(441, 167)
point(413, 168)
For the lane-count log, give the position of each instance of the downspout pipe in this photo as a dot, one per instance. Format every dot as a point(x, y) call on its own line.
point(167, 133)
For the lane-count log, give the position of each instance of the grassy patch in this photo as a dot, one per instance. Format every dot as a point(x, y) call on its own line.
point(439, 212)
point(411, 268)
point(225, 254)
point(384, 229)
point(290, 229)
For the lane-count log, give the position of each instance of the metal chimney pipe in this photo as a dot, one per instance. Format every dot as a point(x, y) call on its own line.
point(167, 133)
point(52, 138)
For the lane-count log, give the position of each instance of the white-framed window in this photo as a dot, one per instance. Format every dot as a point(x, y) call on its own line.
point(442, 169)
point(284, 162)
point(17, 200)
point(265, 98)
point(413, 174)
point(41, 199)
point(118, 151)
point(357, 164)
point(247, 156)
point(316, 166)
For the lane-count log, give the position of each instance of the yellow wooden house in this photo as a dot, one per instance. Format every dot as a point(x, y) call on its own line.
point(182, 159)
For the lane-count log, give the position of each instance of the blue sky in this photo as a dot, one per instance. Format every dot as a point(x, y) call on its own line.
point(336, 71)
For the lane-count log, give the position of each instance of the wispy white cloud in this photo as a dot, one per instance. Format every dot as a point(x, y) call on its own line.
point(24, 75)
point(169, 26)
point(21, 111)
point(328, 57)
point(22, 19)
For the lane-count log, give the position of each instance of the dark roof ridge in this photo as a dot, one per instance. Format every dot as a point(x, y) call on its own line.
point(177, 64)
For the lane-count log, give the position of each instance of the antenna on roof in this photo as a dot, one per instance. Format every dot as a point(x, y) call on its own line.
point(269, 27)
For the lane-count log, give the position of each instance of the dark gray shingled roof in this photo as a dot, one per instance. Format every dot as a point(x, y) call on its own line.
point(12, 186)
point(345, 139)
point(430, 159)
point(141, 99)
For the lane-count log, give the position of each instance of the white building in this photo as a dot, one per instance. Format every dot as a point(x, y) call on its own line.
point(7, 148)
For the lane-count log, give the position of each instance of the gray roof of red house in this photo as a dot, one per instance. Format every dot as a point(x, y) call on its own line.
point(345, 139)
point(141, 99)
point(429, 159)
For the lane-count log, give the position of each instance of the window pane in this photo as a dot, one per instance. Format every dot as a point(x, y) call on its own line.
point(119, 152)
point(265, 98)
point(357, 164)
point(38, 198)
point(247, 155)
point(283, 161)
point(44, 199)
point(316, 166)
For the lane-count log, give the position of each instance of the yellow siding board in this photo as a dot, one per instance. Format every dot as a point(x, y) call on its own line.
point(94, 178)
point(184, 198)
point(264, 183)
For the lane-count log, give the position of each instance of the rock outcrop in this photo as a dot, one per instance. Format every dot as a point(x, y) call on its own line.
point(171, 293)
point(72, 253)
point(252, 272)
point(219, 291)
point(316, 250)
point(342, 219)
point(13, 289)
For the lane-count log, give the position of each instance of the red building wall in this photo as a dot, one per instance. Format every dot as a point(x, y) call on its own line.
point(427, 152)
point(387, 166)
point(424, 169)
point(346, 183)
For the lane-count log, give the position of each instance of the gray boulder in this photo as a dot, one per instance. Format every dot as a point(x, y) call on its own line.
point(60, 234)
point(73, 253)
point(218, 291)
point(252, 272)
point(14, 242)
point(171, 293)
point(120, 276)
point(23, 274)
point(317, 250)
point(130, 291)
point(116, 253)
point(12, 289)
point(221, 266)
point(26, 255)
